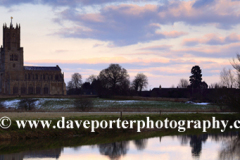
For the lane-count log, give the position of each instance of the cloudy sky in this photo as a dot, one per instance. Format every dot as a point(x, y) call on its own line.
point(163, 39)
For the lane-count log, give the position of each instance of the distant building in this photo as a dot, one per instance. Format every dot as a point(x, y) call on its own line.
point(17, 79)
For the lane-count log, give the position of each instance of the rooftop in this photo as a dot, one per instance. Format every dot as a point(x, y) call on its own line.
point(42, 68)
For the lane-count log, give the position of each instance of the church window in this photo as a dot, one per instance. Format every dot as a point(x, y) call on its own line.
point(45, 90)
point(38, 90)
point(23, 90)
point(44, 77)
point(30, 90)
point(15, 90)
point(11, 57)
point(36, 77)
point(15, 58)
point(56, 77)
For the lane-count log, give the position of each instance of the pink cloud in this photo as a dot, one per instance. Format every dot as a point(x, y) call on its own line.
point(133, 10)
point(126, 24)
point(172, 34)
point(157, 47)
point(212, 39)
point(93, 17)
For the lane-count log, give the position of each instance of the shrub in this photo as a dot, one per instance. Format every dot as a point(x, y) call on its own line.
point(83, 104)
point(27, 104)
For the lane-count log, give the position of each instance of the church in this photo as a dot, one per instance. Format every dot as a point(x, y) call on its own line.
point(17, 79)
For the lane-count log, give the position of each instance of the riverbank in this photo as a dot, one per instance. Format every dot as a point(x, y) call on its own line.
point(14, 133)
point(111, 105)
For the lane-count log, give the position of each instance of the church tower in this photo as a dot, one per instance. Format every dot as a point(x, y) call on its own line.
point(12, 53)
point(11, 56)
point(16, 79)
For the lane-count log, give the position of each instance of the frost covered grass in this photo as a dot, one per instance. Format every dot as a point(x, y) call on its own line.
point(152, 104)
point(49, 104)
point(43, 103)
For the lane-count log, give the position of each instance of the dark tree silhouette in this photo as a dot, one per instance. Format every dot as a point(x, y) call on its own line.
point(74, 86)
point(91, 78)
point(203, 85)
point(113, 78)
point(86, 85)
point(114, 150)
point(76, 80)
point(196, 77)
point(140, 144)
point(231, 149)
point(195, 142)
point(140, 82)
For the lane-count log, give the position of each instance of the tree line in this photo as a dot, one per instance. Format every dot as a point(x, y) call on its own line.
point(229, 78)
point(115, 80)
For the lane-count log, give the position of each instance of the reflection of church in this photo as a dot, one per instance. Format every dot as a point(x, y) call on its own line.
point(18, 79)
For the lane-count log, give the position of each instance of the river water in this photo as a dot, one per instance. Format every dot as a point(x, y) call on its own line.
point(181, 147)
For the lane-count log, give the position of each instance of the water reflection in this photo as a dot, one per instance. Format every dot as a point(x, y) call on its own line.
point(229, 148)
point(195, 141)
point(51, 153)
point(140, 144)
point(114, 150)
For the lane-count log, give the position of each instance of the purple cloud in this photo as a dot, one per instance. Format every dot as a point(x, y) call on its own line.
point(128, 24)
point(212, 39)
point(202, 3)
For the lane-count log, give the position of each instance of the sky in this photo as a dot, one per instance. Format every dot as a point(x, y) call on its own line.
point(163, 39)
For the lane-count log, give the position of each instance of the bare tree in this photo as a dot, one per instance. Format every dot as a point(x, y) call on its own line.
point(113, 77)
point(140, 82)
point(183, 83)
point(69, 85)
point(91, 78)
point(236, 65)
point(215, 85)
point(76, 80)
point(227, 78)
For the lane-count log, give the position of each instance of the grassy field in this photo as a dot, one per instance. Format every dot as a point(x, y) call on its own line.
point(66, 104)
